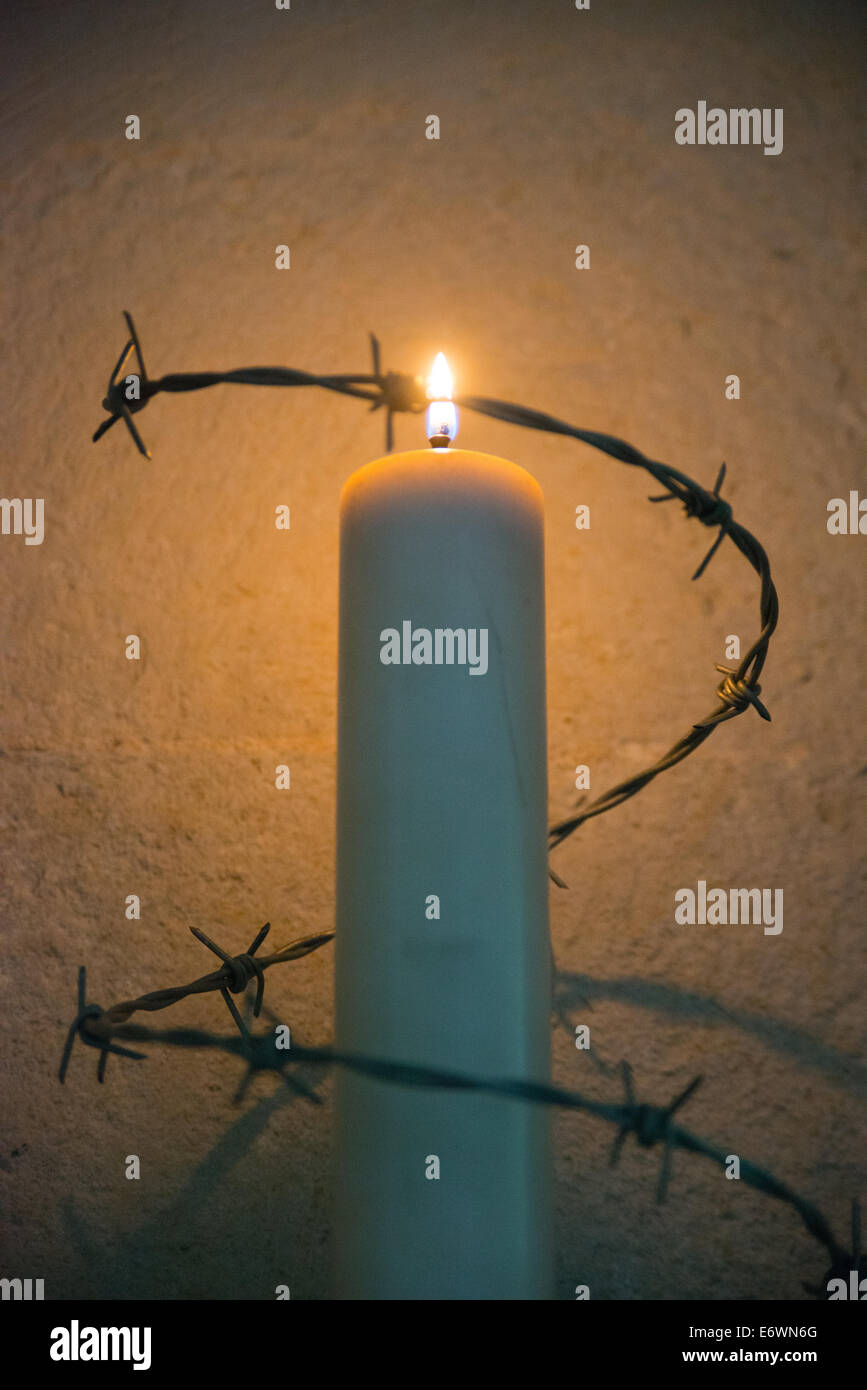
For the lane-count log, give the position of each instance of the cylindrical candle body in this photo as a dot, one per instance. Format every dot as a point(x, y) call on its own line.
point(442, 948)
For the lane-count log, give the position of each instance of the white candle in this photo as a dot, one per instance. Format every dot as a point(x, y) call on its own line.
point(442, 949)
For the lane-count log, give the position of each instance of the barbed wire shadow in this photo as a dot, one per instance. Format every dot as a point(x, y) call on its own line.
point(108, 1030)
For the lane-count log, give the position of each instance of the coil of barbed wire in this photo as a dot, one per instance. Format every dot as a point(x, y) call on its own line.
point(398, 392)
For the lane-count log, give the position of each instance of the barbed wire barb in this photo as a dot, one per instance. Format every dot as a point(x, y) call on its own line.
point(96, 1026)
point(77, 1029)
point(241, 969)
point(719, 514)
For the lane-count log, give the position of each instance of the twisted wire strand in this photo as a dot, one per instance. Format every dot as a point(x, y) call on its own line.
point(738, 691)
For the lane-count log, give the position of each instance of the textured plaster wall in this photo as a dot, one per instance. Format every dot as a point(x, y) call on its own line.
point(307, 127)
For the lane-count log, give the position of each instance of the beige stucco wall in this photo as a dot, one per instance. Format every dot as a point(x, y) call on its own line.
point(306, 127)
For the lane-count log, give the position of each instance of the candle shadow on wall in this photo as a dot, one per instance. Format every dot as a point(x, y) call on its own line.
point(132, 1265)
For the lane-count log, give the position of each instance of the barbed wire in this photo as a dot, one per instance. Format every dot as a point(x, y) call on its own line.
point(398, 392)
point(652, 1125)
point(95, 1025)
point(739, 690)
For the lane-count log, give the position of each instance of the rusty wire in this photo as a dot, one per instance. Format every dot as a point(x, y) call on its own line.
point(738, 691)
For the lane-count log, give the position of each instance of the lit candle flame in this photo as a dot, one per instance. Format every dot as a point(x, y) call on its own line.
point(442, 416)
point(439, 383)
